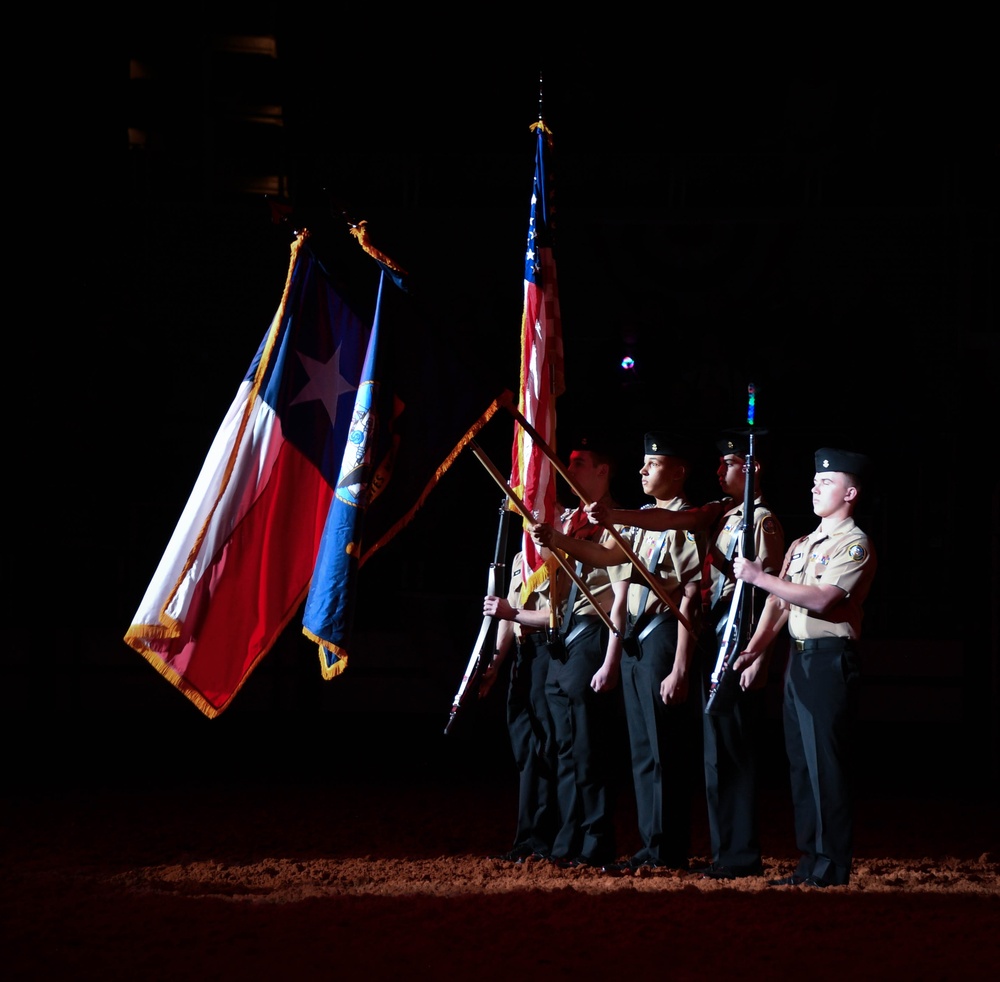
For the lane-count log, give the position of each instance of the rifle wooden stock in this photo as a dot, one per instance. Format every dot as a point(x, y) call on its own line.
point(523, 509)
point(655, 583)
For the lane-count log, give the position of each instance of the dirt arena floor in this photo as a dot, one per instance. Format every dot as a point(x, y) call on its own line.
point(268, 848)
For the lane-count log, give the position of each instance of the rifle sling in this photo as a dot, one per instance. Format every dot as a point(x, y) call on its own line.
point(720, 583)
point(653, 559)
point(578, 629)
point(581, 622)
point(654, 622)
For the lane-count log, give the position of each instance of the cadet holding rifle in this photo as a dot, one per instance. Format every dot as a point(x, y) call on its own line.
point(657, 655)
point(523, 624)
point(730, 738)
point(819, 594)
point(731, 735)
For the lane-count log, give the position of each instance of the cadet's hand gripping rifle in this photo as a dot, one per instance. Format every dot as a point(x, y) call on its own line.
point(725, 683)
point(495, 586)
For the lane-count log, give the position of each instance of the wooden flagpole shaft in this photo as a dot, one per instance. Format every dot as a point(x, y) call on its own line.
point(655, 583)
point(523, 509)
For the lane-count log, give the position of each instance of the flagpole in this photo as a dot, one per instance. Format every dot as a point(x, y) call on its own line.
point(523, 509)
point(655, 583)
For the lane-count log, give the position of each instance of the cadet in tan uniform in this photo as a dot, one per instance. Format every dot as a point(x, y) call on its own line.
point(529, 723)
point(730, 740)
point(730, 759)
point(657, 659)
point(582, 716)
point(819, 596)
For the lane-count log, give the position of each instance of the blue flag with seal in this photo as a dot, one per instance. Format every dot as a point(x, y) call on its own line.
point(403, 437)
point(329, 608)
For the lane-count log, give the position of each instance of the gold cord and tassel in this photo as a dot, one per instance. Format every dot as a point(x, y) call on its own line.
point(360, 232)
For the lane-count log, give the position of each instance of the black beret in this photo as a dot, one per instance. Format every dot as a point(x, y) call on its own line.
point(665, 444)
point(595, 442)
point(844, 461)
point(737, 442)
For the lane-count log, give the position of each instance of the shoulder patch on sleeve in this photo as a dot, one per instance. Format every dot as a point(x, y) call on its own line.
point(857, 552)
point(768, 525)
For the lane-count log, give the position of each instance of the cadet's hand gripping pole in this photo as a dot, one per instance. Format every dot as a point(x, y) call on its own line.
point(655, 583)
point(523, 509)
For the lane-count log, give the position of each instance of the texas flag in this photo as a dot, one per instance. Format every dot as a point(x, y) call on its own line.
point(240, 560)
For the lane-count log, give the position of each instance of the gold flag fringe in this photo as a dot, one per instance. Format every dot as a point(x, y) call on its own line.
point(135, 640)
point(138, 635)
point(470, 434)
point(339, 666)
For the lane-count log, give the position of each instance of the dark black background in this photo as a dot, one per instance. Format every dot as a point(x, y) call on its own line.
point(823, 227)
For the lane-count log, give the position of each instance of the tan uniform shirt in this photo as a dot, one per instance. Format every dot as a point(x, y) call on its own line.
point(843, 557)
point(596, 579)
point(679, 560)
point(768, 543)
point(535, 601)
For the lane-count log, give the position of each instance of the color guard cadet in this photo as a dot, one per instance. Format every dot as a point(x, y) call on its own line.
point(529, 723)
point(656, 659)
point(819, 595)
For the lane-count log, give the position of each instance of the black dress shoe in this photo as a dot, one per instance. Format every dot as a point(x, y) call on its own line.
point(622, 868)
point(633, 866)
point(625, 867)
point(514, 856)
point(719, 872)
point(577, 863)
point(787, 881)
point(535, 857)
point(650, 866)
point(816, 881)
point(520, 855)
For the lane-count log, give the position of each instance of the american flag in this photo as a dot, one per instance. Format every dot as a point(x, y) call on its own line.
point(532, 474)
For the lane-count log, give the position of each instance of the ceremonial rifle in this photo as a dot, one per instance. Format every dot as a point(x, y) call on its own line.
point(495, 586)
point(724, 686)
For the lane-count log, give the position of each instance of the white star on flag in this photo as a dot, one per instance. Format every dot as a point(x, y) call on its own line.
point(326, 384)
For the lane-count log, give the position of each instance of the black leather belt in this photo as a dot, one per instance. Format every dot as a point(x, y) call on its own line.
point(819, 644)
point(531, 640)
